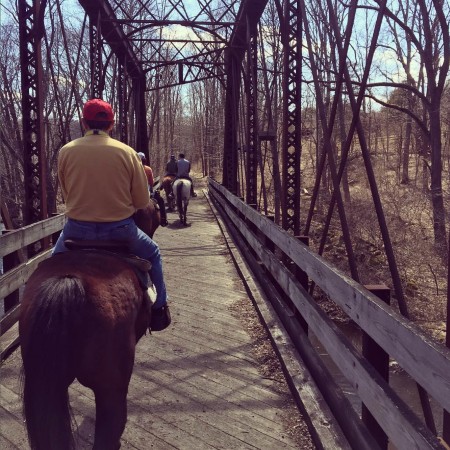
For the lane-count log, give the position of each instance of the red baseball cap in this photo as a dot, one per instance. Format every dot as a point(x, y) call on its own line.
point(95, 106)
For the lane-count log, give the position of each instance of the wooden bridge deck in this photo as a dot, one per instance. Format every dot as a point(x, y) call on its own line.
point(197, 385)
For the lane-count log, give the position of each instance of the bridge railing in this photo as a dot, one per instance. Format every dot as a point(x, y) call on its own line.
point(17, 241)
point(283, 262)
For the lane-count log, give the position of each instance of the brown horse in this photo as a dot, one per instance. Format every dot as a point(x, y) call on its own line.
point(148, 219)
point(82, 315)
point(167, 186)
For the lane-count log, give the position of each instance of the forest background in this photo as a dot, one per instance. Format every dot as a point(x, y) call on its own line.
point(404, 118)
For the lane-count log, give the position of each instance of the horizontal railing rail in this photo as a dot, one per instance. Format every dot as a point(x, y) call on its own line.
point(16, 242)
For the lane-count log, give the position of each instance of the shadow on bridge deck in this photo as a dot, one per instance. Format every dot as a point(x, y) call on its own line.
point(196, 385)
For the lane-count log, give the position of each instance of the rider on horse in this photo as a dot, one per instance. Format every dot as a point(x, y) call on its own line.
point(171, 166)
point(183, 169)
point(103, 184)
point(154, 194)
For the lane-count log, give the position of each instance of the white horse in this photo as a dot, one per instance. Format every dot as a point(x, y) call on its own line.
point(182, 192)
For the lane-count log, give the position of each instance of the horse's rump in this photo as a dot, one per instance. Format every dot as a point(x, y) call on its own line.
point(81, 316)
point(167, 180)
point(167, 184)
point(112, 289)
point(167, 187)
point(182, 192)
point(182, 189)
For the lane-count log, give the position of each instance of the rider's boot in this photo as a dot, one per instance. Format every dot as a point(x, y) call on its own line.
point(159, 318)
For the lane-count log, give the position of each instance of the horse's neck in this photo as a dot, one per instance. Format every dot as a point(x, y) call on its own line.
point(147, 219)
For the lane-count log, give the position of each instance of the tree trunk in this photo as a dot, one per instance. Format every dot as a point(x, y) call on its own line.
point(406, 150)
point(437, 198)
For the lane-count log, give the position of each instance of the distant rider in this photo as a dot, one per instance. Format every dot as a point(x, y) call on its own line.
point(171, 166)
point(183, 169)
point(154, 194)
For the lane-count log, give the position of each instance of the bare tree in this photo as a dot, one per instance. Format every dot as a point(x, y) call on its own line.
point(424, 27)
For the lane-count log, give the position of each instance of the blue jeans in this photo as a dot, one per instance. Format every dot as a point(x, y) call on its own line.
point(124, 230)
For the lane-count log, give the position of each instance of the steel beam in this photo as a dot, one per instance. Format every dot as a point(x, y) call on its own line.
point(252, 117)
point(95, 44)
point(291, 145)
point(101, 13)
point(30, 35)
point(230, 151)
point(114, 35)
point(122, 90)
point(140, 109)
point(248, 17)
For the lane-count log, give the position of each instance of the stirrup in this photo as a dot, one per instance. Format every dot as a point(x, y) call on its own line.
point(160, 318)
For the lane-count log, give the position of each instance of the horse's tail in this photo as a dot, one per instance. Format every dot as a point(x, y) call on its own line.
point(51, 325)
point(180, 195)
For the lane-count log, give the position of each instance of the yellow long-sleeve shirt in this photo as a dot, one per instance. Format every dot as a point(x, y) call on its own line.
point(102, 179)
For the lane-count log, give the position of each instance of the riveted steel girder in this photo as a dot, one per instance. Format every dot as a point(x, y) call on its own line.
point(30, 34)
point(122, 89)
point(252, 121)
point(101, 13)
point(95, 43)
point(292, 42)
point(114, 35)
point(230, 153)
point(248, 17)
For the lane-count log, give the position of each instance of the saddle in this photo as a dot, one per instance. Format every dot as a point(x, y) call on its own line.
point(154, 198)
point(140, 267)
point(118, 249)
point(159, 206)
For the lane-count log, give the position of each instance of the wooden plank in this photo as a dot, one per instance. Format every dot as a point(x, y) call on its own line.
point(9, 342)
point(325, 431)
point(12, 427)
point(18, 239)
point(350, 422)
point(8, 224)
point(9, 319)
point(11, 432)
point(425, 360)
point(15, 278)
point(197, 384)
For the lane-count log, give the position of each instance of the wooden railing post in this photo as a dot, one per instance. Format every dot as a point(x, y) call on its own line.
point(302, 277)
point(55, 236)
point(300, 274)
point(10, 262)
point(268, 243)
point(251, 226)
point(380, 361)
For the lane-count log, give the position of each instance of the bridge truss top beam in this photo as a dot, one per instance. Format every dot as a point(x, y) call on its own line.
point(147, 35)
